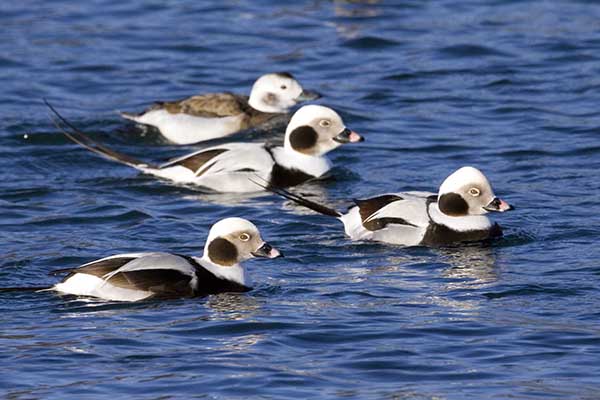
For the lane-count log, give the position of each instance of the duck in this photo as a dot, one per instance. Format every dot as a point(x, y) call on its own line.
point(313, 131)
point(158, 275)
point(456, 214)
point(215, 115)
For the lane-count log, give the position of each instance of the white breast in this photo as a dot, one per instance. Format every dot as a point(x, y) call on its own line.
point(235, 273)
point(315, 166)
point(460, 224)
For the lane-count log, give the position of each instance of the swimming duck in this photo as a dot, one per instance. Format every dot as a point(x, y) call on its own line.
point(215, 115)
point(312, 132)
point(139, 276)
point(457, 213)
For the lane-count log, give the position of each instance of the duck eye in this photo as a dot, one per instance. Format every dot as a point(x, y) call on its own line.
point(244, 237)
point(474, 192)
point(325, 123)
point(283, 87)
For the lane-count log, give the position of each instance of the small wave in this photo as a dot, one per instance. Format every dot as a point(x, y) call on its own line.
point(532, 290)
point(129, 216)
point(370, 43)
point(470, 50)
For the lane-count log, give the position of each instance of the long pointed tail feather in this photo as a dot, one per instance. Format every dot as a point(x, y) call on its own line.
point(77, 136)
point(129, 116)
point(321, 209)
point(61, 271)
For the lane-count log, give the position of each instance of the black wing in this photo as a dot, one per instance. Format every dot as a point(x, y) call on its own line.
point(368, 207)
point(164, 283)
point(97, 268)
point(196, 160)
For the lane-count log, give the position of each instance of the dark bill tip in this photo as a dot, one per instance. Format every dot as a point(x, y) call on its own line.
point(267, 251)
point(307, 95)
point(499, 205)
point(348, 136)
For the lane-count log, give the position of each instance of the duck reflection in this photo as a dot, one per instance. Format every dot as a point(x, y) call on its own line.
point(316, 191)
point(222, 199)
point(356, 8)
point(464, 269)
point(232, 307)
point(472, 265)
point(219, 307)
point(237, 309)
point(410, 262)
point(353, 9)
point(239, 344)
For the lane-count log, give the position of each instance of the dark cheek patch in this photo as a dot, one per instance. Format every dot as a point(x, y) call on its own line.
point(270, 99)
point(453, 204)
point(223, 252)
point(303, 138)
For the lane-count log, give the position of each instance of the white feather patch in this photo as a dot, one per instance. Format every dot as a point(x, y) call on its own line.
point(187, 129)
point(460, 224)
point(90, 285)
point(229, 171)
point(235, 273)
point(150, 261)
point(312, 165)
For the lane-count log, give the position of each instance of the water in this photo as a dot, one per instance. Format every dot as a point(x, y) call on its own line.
point(508, 86)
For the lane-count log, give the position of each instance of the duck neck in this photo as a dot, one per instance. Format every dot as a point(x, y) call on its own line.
point(234, 273)
point(460, 224)
point(291, 159)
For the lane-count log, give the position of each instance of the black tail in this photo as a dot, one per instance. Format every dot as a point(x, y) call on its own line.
point(24, 289)
point(129, 116)
point(60, 271)
point(321, 209)
point(76, 135)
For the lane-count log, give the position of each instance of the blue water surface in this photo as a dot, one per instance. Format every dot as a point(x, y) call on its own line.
point(512, 87)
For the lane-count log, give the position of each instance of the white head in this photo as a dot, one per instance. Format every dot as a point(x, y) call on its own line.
point(278, 92)
point(315, 130)
point(233, 240)
point(468, 192)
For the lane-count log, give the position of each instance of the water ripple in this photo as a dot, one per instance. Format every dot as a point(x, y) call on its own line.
point(508, 86)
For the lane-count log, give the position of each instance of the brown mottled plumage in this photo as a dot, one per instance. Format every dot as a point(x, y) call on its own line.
point(216, 105)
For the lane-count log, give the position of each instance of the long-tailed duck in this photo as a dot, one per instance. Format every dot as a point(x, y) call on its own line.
point(455, 214)
point(214, 115)
point(312, 132)
point(138, 276)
